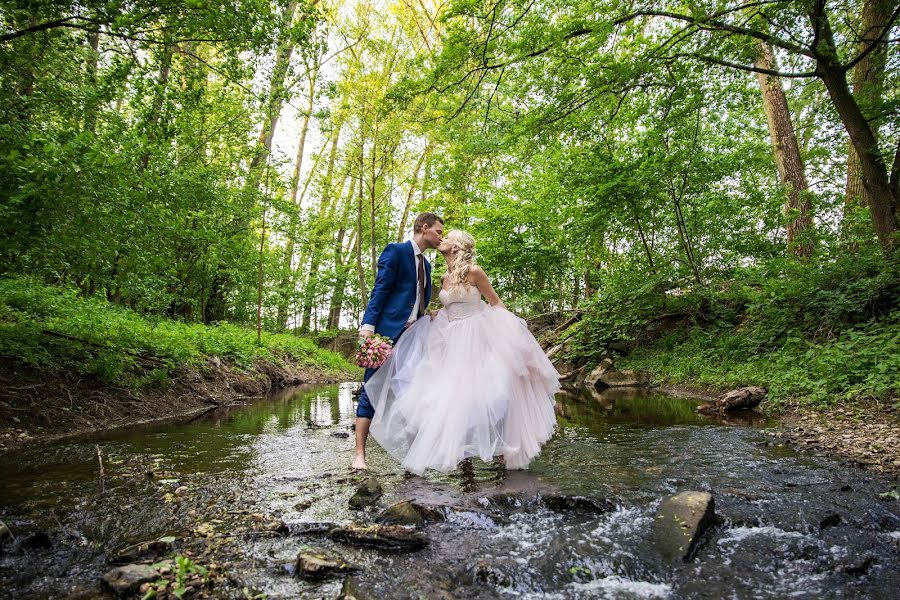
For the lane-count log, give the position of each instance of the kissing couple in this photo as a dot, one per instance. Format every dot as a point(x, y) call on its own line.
point(468, 381)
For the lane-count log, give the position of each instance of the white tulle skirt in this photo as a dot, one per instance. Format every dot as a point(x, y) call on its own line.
point(452, 389)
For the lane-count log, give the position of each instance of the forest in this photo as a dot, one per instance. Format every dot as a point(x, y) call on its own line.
point(711, 187)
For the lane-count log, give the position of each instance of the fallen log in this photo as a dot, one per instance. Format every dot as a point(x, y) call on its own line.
point(744, 398)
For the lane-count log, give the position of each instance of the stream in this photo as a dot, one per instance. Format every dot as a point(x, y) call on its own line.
point(791, 525)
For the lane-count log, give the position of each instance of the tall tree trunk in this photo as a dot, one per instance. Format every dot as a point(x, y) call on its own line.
point(275, 99)
point(882, 201)
point(90, 111)
point(868, 83)
point(797, 206)
point(159, 97)
point(317, 250)
point(372, 209)
point(288, 277)
point(340, 285)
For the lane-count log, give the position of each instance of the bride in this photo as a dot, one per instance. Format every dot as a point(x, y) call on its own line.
point(470, 381)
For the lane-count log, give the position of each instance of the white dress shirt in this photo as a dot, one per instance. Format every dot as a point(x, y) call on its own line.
point(415, 309)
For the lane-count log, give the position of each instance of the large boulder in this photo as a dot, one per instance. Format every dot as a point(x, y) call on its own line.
point(385, 537)
point(601, 369)
point(127, 579)
point(681, 521)
point(316, 565)
point(409, 513)
point(625, 378)
point(367, 494)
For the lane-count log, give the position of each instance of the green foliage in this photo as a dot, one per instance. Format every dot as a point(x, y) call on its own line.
point(184, 568)
point(815, 333)
point(50, 327)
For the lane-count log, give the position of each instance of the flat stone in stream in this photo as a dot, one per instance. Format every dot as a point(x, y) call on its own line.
point(680, 522)
point(367, 494)
point(395, 538)
point(316, 565)
point(409, 513)
point(126, 579)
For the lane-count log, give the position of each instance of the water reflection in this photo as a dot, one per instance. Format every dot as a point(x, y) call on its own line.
point(289, 456)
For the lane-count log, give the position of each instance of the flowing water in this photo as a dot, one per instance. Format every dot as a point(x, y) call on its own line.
point(792, 525)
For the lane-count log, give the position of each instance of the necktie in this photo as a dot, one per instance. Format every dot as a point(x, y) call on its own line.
point(420, 275)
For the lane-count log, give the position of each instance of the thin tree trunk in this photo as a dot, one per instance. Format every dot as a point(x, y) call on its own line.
point(797, 207)
point(409, 197)
point(372, 211)
point(340, 284)
point(882, 202)
point(363, 293)
point(868, 83)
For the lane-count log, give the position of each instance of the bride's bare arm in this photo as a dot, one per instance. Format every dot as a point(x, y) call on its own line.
point(480, 280)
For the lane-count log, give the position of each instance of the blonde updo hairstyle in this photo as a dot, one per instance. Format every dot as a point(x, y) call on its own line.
point(464, 249)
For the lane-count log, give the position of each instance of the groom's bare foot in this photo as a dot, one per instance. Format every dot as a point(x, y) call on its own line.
point(359, 463)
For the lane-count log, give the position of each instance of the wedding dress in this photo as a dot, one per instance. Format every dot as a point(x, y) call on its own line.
point(472, 381)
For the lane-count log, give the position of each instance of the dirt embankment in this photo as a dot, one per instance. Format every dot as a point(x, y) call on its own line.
point(38, 406)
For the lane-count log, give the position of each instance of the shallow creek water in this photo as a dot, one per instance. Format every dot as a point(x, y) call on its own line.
point(792, 525)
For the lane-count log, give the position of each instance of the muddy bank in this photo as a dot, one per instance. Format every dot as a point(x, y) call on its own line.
point(866, 434)
point(38, 406)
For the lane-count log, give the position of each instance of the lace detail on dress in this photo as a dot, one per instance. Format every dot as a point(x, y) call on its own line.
point(462, 302)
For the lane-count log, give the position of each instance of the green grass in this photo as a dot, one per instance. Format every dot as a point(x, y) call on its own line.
point(861, 363)
point(814, 333)
point(54, 328)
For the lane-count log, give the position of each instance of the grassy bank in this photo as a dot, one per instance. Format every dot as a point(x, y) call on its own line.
point(54, 329)
point(813, 334)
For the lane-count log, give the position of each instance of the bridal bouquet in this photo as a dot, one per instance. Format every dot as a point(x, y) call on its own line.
point(373, 351)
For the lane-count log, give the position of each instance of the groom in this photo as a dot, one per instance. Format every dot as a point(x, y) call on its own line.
point(400, 295)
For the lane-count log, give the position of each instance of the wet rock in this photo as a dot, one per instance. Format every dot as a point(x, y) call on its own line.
point(486, 572)
point(385, 537)
point(127, 579)
point(832, 520)
point(316, 565)
point(409, 513)
point(350, 590)
point(625, 378)
point(680, 522)
point(594, 376)
point(367, 494)
point(5, 533)
point(582, 504)
point(859, 567)
point(38, 540)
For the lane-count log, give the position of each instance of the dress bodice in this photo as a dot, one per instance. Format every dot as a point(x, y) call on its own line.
point(461, 302)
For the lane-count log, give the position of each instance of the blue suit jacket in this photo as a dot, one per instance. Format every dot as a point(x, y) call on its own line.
point(394, 292)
